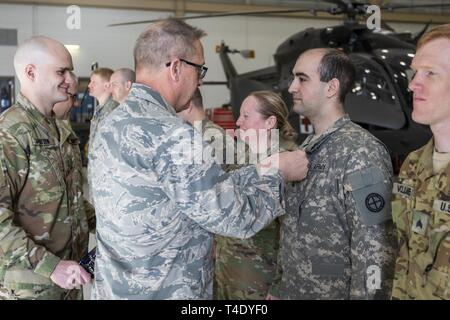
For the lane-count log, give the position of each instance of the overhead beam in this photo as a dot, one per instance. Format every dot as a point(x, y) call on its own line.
point(181, 7)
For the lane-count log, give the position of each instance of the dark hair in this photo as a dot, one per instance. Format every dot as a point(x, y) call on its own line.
point(336, 64)
point(163, 41)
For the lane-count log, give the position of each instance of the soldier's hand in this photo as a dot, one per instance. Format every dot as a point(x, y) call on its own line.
point(292, 165)
point(69, 275)
point(271, 297)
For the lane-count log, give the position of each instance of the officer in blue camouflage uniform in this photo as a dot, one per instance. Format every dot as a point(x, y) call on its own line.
point(421, 202)
point(337, 237)
point(157, 201)
point(43, 224)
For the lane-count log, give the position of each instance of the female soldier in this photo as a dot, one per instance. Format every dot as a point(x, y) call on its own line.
point(245, 268)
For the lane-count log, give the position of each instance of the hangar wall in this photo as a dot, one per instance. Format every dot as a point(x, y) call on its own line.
point(113, 46)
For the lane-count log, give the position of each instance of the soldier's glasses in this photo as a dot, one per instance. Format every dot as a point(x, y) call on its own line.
point(201, 69)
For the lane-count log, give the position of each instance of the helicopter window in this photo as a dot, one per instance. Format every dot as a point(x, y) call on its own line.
point(373, 101)
point(371, 81)
point(399, 60)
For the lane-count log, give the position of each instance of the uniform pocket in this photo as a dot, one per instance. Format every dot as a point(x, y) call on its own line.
point(22, 279)
point(46, 170)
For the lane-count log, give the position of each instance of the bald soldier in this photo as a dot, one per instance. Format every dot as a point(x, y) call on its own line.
point(43, 227)
point(120, 83)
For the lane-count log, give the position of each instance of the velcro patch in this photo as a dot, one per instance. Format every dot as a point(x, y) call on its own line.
point(441, 206)
point(420, 222)
point(375, 202)
point(372, 195)
point(402, 189)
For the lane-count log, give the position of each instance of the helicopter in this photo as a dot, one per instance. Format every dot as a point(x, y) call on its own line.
point(379, 101)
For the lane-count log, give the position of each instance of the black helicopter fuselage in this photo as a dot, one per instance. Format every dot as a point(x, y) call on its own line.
point(380, 100)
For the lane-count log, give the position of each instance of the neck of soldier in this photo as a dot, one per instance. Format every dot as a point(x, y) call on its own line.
point(197, 116)
point(158, 81)
point(441, 132)
point(103, 98)
point(42, 105)
point(325, 119)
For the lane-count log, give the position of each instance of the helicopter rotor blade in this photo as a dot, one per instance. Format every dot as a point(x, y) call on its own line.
point(226, 14)
point(392, 7)
point(342, 8)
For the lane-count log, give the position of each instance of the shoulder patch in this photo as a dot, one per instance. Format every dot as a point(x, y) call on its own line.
point(372, 195)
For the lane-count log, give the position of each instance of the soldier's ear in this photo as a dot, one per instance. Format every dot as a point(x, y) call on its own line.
point(271, 122)
point(30, 72)
point(175, 70)
point(333, 87)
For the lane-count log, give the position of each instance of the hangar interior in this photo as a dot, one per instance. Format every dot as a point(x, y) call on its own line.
point(84, 27)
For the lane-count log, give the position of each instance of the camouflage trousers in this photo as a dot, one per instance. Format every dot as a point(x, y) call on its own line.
point(245, 269)
point(40, 293)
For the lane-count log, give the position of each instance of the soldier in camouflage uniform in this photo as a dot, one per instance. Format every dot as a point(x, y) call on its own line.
point(421, 202)
point(43, 226)
point(99, 88)
point(337, 237)
point(157, 201)
point(245, 268)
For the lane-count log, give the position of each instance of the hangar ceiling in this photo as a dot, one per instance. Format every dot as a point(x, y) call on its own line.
point(182, 7)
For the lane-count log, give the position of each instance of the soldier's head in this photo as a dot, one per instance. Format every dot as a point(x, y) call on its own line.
point(169, 58)
point(194, 110)
point(431, 82)
point(322, 79)
point(43, 67)
point(120, 82)
point(265, 110)
point(62, 109)
point(99, 83)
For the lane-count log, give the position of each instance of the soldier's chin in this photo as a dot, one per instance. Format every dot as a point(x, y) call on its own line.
point(62, 98)
point(418, 117)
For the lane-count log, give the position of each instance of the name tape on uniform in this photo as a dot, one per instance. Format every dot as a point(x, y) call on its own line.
point(442, 206)
point(402, 189)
